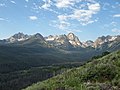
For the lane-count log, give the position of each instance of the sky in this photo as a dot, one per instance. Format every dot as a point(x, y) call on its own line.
point(88, 19)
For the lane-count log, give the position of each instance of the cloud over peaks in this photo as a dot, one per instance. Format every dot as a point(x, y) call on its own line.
point(33, 18)
point(116, 15)
point(65, 3)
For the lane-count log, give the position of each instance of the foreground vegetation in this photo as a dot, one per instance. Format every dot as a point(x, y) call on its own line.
point(98, 74)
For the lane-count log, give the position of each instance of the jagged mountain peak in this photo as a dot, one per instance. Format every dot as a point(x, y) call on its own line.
point(17, 37)
point(108, 38)
point(38, 36)
point(50, 36)
point(74, 40)
point(88, 43)
point(71, 36)
point(70, 33)
point(62, 37)
point(105, 40)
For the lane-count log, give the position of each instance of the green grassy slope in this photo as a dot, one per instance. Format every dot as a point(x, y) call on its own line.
point(99, 74)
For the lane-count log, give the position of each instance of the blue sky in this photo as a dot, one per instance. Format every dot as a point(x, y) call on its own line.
point(88, 19)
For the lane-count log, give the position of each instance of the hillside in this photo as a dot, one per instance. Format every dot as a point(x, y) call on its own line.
point(13, 58)
point(98, 74)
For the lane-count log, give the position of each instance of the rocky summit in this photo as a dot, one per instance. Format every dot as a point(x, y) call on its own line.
point(17, 37)
point(74, 40)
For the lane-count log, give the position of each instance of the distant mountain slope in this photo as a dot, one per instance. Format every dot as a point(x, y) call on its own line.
point(99, 74)
point(16, 57)
point(34, 40)
point(13, 58)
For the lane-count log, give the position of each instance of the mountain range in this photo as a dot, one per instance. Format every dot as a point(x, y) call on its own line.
point(65, 42)
point(68, 46)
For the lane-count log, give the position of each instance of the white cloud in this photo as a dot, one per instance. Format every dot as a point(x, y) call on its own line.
point(47, 4)
point(56, 12)
point(116, 15)
point(33, 18)
point(2, 5)
point(113, 23)
point(94, 7)
point(63, 25)
point(13, 2)
point(84, 16)
point(116, 30)
point(64, 3)
point(81, 14)
point(2, 19)
point(81, 11)
point(62, 17)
